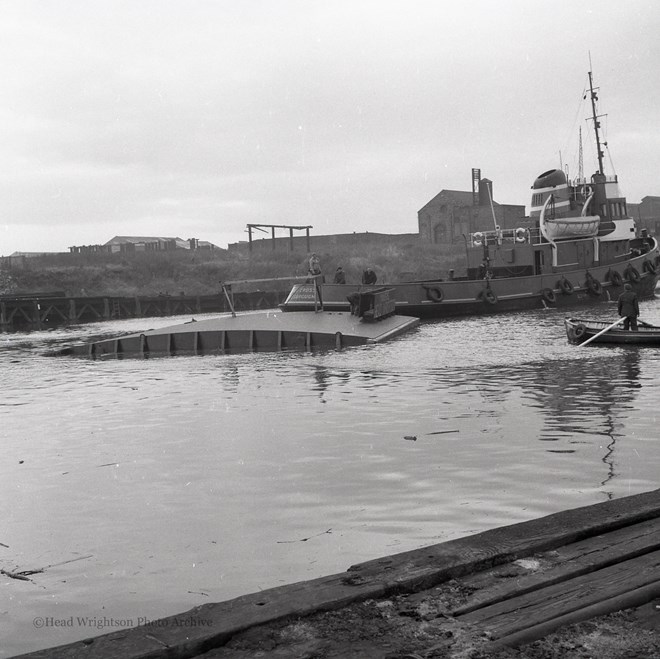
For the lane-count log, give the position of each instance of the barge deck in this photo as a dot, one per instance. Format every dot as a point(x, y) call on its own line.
point(271, 330)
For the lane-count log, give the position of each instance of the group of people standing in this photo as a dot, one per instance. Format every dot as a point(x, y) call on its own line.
point(368, 276)
point(628, 304)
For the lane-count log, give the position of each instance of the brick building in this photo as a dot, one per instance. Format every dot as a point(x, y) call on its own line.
point(647, 214)
point(452, 214)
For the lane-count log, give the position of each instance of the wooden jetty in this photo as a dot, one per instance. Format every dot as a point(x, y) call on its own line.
point(29, 312)
point(517, 584)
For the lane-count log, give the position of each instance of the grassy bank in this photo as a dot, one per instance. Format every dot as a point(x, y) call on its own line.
point(200, 272)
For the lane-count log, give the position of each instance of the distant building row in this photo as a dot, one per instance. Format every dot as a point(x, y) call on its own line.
point(447, 218)
point(133, 244)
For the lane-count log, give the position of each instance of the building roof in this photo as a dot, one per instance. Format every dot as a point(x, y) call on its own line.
point(138, 240)
point(206, 243)
point(32, 254)
point(456, 197)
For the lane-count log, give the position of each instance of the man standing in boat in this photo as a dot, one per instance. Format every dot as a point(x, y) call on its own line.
point(629, 307)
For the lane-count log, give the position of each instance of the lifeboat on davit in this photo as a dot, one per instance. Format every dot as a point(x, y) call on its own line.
point(561, 208)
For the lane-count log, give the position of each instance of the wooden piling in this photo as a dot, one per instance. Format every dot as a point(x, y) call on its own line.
point(36, 308)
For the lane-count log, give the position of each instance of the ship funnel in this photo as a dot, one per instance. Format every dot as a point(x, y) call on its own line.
point(485, 192)
point(550, 179)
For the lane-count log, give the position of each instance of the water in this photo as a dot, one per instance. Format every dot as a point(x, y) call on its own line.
point(152, 486)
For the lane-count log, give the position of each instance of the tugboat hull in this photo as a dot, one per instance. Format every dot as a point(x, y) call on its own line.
point(444, 299)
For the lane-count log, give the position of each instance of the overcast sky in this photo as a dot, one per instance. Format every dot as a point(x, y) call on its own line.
point(192, 118)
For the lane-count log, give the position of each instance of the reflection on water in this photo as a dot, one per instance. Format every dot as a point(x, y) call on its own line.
point(573, 399)
point(179, 481)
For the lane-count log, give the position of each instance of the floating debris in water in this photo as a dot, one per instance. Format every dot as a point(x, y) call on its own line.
point(284, 542)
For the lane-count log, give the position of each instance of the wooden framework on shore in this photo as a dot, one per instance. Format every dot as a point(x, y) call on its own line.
point(272, 227)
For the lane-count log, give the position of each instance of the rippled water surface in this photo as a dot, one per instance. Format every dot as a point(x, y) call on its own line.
point(146, 487)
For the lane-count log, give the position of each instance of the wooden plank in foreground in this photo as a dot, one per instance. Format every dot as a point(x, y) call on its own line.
point(570, 561)
point(627, 600)
point(540, 606)
point(419, 569)
point(212, 625)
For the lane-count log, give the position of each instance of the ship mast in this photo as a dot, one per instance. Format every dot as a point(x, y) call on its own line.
point(594, 98)
point(580, 159)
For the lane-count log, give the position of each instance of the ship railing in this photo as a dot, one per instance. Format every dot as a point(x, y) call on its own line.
point(316, 279)
point(500, 236)
point(535, 235)
point(583, 181)
point(579, 181)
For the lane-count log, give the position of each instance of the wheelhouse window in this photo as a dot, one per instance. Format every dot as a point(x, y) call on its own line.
point(617, 209)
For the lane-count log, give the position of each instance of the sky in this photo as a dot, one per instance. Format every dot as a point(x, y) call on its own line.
point(193, 118)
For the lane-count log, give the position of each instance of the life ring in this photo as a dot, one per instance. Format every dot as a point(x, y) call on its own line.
point(649, 267)
point(488, 295)
point(521, 235)
point(565, 285)
point(615, 277)
point(579, 330)
point(477, 239)
point(549, 295)
point(631, 274)
point(435, 294)
point(594, 286)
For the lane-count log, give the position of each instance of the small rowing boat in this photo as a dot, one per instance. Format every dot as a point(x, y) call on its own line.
point(580, 331)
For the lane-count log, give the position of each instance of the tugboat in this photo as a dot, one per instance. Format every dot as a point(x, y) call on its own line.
point(581, 247)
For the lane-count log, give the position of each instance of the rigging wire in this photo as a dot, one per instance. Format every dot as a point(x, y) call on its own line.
point(571, 133)
point(609, 157)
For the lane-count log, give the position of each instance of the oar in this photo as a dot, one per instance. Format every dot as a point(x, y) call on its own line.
point(609, 327)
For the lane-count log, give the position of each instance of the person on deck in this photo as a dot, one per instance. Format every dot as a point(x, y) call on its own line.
point(369, 276)
point(340, 276)
point(629, 307)
point(315, 268)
